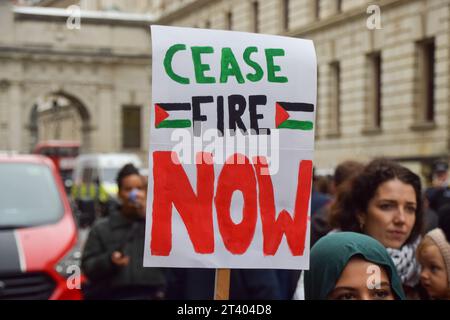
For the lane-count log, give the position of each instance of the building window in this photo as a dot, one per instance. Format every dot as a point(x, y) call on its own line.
point(285, 14)
point(131, 127)
point(374, 98)
point(255, 9)
point(338, 6)
point(425, 80)
point(335, 98)
point(427, 57)
point(229, 21)
point(316, 9)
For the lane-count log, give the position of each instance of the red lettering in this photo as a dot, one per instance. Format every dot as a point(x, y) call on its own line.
point(171, 186)
point(237, 176)
point(274, 228)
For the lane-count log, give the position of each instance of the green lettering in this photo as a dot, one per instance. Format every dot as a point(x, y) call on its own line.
point(272, 68)
point(259, 73)
point(229, 67)
point(200, 67)
point(168, 63)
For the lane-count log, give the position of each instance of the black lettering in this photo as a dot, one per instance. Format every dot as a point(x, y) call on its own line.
point(236, 108)
point(254, 102)
point(197, 117)
point(220, 121)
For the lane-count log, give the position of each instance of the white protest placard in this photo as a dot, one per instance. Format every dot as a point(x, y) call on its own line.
point(231, 149)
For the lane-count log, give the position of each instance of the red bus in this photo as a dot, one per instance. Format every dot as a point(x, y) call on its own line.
point(63, 155)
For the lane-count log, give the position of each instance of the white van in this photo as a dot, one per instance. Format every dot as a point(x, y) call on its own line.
point(102, 167)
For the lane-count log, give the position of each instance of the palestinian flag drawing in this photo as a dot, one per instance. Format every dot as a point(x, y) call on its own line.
point(294, 116)
point(162, 114)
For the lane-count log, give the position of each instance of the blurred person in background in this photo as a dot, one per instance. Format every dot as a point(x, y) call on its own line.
point(320, 225)
point(444, 220)
point(438, 194)
point(324, 184)
point(113, 255)
point(318, 198)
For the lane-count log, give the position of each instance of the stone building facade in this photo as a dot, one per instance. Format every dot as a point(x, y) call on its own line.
point(384, 68)
point(102, 70)
point(383, 88)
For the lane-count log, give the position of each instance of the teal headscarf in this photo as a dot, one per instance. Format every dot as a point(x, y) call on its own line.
point(330, 255)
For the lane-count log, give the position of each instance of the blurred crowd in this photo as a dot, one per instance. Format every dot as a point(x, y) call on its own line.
point(376, 234)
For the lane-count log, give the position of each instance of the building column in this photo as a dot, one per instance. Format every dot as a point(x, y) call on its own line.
point(6, 23)
point(4, 142)
point(105, 125)
point(17, 121)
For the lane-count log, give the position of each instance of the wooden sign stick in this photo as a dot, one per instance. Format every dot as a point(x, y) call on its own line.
point(222, 285)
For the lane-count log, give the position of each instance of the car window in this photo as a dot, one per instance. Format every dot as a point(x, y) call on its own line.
point(28, 196)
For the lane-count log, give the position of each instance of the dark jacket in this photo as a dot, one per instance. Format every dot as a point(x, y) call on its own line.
point(245, 284)
point(438, 197)
point(320, 225)
point(318, 200)
point(117, 233)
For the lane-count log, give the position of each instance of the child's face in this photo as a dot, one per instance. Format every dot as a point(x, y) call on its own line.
point(434, 276)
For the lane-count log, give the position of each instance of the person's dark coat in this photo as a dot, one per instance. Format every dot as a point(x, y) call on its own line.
point(245, 284)
point(318, 200)
point(438, 197)
point(117, 233)
point(431, 220)
point(320, 225)
point(288, 280)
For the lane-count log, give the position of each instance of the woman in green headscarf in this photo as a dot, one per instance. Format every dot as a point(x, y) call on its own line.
point(351, 266)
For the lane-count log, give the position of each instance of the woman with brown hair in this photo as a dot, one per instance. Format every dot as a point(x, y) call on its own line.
point(385, 202)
